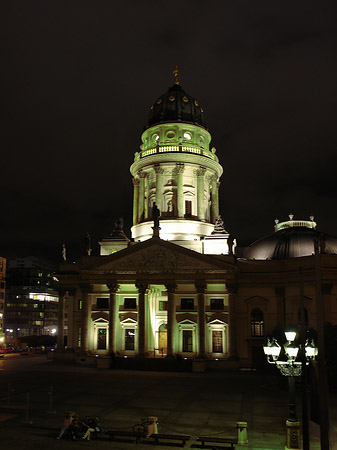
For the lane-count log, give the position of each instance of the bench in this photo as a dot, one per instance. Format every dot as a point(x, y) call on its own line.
point(137, 435)
point(218, 440)
point(168, 437)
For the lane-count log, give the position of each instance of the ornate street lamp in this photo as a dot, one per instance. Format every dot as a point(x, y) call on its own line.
point(290, 368)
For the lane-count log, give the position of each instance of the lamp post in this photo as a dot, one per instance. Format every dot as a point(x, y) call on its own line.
point(290, 368)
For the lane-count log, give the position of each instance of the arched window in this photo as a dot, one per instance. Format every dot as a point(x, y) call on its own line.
point(256, 320)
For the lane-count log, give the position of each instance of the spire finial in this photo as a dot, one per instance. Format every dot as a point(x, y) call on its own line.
point(175, 74)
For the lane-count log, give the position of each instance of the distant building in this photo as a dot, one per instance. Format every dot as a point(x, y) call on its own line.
point(31, 299)
point(2, 297)
point(179, 289)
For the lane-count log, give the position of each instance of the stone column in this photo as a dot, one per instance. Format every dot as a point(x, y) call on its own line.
point(232, 290)
point(281, 305)
point(214, 198)
point(142, 288)
point(142, 176)
point(200, 287)
point(146, 198)
point(200, 193)
point(135, 199)
point(70, 309)
point(171, 318)
point(180, 167)
point(86, 289)
point(113, 289)
point(60, 319)
point(159, 185)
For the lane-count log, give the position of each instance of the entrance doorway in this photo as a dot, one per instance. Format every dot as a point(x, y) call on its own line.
point(101, 339)
point(217, 346)
point(162, 339)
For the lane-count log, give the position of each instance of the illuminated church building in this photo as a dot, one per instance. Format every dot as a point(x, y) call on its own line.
point(178, 288)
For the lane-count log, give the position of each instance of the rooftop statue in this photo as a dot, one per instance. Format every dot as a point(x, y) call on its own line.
point(119, 224)
point(87, 244)
point(219, 225)
point(64, 252)
point(155, 215)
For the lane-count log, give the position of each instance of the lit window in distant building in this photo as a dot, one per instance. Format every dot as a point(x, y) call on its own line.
point(256, 318)
point(129, 339)
point(187, 341)
point(187, 303)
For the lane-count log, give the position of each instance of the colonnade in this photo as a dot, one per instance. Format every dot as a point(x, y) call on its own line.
point(113, 288)
point(141, 194)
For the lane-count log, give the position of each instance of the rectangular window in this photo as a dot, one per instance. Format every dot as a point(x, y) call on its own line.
point(101, 339)
point(187, 303)
point(130, 303)
point(80, 304)
point(217, 346)
point(187, 341)
point(129, 339)
point(162, 305)
point(257, 328)
point(188, 207)
point(102, 303)
point(256, 318)
point(217, 303)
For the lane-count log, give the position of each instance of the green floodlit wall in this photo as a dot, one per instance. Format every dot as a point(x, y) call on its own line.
point(174, 134)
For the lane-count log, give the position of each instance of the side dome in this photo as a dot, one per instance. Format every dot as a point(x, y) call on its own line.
point(176, 105)
point(292, 239)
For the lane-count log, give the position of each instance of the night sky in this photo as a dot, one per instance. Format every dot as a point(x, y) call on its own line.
point(78, 78)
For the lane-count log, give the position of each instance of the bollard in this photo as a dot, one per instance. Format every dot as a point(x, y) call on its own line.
point(50, 393)
point(27, 421)
point(293, 435)
point(152, 427)
point(242, 433)
point(9, 390)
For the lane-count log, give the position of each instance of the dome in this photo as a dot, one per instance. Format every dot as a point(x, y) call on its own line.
point(176, 105)
point(292, 239)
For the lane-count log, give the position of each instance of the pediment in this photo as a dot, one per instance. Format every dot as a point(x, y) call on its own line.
point(186, 318)
point(256, 300)
point(216, 322)
point(187, 321)
point(156, 255)
point(216, 318)
point(127, 320)
point(100, 317)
